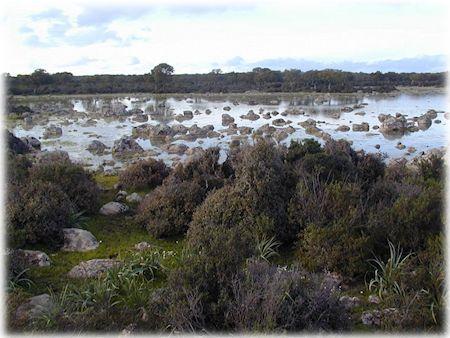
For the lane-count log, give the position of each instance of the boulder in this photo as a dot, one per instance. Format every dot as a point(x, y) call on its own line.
point(52, 131)
point(49, 157)
point(92, 268)
point(176, 148)
point(34, 258)
point(32, 143)
point(250, 116)
point(34, 308)
point(431, 114)
point(393, 125)
point(280, 135)
point(343, 128)
point(78, 240)
point(371, 318)
point(179, 129)
point(16, 145)
point(134, 198)
point(142, 246)
point(207, 111)
point(227, 108)
point(423, 122)
point(126, 146)
point(349, 302)
point(140, 118)
point(227, 119)
point(113, 208)
point(279, 122)
point(96, 147)
point(360, 127)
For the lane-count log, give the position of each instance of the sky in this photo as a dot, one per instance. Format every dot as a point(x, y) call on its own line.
point(126, 37)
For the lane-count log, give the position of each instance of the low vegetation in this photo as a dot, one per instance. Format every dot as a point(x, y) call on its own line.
point(269, 240)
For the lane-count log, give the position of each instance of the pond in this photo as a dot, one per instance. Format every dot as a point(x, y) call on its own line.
point(84, 119)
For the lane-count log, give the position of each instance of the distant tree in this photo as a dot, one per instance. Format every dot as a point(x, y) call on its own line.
point(39, 78)
point(216, 71)
point(161, 74)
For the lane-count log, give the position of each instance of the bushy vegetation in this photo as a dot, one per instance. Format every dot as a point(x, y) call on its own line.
point(37, 213)
point(263, 232)
point(78, 184)
point(262, 79)
point(144, 174)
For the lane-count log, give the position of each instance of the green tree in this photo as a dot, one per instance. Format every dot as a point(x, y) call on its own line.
point(161, 75)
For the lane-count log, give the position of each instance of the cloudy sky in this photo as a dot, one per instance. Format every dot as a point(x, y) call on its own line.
point(93, 37)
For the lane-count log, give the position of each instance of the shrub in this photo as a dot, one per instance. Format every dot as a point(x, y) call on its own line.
point(298, 149)
point(72, 179)
point(336, 247)
point(327, 167)
point(168, 209)
point(144, 174)
point(18, 169)
point(37, 213)
point(370, 167)
point(267, 298)
point(261, 181)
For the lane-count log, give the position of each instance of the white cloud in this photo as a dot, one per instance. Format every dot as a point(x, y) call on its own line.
point(196, 36)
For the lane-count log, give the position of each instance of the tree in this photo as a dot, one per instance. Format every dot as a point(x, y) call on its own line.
point(216, 71)
point(40, 77)
point(161, 74)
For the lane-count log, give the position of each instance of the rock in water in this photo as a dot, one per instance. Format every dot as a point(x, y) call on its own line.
point(113, 208)
point(96, 147)
point(78, 240)
point(92, 268)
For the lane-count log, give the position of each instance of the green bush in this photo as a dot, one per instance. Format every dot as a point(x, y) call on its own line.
point(18, 169)
point(298, 149)
point(72, 179)
point(143, 174)
point(37, 213)
point(168, 209)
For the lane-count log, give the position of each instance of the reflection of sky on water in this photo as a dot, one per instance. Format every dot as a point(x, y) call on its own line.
point(77, 137)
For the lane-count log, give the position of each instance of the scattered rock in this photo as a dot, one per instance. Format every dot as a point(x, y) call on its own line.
point(142, 246)
point(126, 146)
point(78, 240)
point(391, 124)
point(371, 318)
point(377, 146)
point(343, 128)
point(52, 131)
point(34, 308)
point(360, 127)
point(32, 143)
point(96, 147)
point(250, 116)
point(349, 302)
point(134, 198)
point(279, 122)
point(92, 268)
point(113, 208)
point(227, 119)
point(34, 258)
point(227, 108)
point(400, 146)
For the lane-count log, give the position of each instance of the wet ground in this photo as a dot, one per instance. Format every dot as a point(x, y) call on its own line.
point(75, 116)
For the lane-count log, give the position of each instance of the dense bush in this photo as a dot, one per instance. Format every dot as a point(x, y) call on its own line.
point(37, 213)
point(72, 179)
point(267, 298)
point(168, 209)
point(143, 174)
point(18, 167)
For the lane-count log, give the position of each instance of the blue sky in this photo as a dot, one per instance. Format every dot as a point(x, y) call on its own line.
point(91, 37)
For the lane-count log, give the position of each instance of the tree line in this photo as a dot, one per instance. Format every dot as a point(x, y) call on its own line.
point(162, 80)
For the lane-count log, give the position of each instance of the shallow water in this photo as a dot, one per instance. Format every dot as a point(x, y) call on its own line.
point(76, 137)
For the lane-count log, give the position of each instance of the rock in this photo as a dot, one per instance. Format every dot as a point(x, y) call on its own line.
point(176, 148)
point(179, 129)
point(126, 146)
point(360, 127)
point(349, 302)
point(78, 240)
point(128, 330)
point(375, 127)
point(227, 108)
point(347, 109)
point(266, 129)
point(245, 130)
point(400, 146)
point(188, 114)
point(447, 116)
point(227, 119)
point(113, 208)
point(114, 108)
point(382, 117)
point(377, 146)
point(411, 150)
point(207, 111)
point(275, 113)
point(120, 196)
point(140, 117)
point(343, 128)
point(34, 258)
point(134, 198)
point(142, 246)
point(373, 299)
point(34, 308)
point(16, 145)
point(266, 116)
point(52, 131)
point(96, 147)
point(250, 116)
point(92, 268)
point(393, 125)
point(279, 122)
point(437, 121)
point(32, 143)
point(423, 122)
point(307, 123)
point(371, 318)
point(431, 114)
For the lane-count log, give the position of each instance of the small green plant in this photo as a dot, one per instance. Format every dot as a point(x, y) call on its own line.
point(77, 219)
point(19, 281)
point(387, 276)
point(266, 248)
